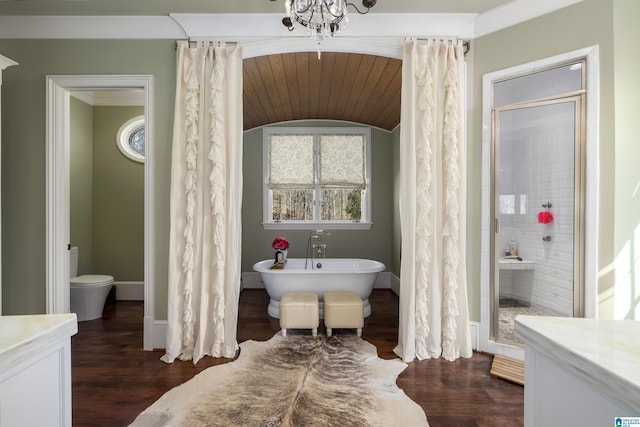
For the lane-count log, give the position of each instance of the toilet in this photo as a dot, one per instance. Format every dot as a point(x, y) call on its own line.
point(88, 293)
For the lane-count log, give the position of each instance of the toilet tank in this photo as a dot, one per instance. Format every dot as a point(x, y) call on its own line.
point(73, 256)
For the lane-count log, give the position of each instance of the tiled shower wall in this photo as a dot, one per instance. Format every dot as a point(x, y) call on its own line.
point(537, 167)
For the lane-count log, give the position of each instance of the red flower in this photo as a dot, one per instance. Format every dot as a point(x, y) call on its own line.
point(545, 217)
point(280, 243)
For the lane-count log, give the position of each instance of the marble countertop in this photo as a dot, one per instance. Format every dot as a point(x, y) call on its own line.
point(22, 336)
point(606, 353)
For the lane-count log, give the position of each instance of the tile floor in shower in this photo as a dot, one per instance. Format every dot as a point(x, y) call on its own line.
point(509, 309)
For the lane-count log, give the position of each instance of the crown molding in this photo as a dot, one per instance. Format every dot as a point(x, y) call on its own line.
point(6, 62)
point(89, 27)
point(381, 46)
point(515, 12)
point(111, 98)
point(249, 28)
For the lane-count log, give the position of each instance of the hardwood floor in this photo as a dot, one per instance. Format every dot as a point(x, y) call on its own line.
point(114, 379)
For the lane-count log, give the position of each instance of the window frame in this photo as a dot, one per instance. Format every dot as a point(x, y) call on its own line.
point(123, 135)
point(267, 200)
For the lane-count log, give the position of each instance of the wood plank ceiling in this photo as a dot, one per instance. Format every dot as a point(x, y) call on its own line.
point(340, 86)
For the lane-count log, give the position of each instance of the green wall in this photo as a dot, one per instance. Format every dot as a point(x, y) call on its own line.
point(23, 151)
point(624, 302)
point(118, 200)
point(106, 194)
point(81, 183)
point(375, 243)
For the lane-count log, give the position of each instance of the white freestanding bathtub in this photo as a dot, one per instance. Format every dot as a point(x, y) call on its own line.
point(326, 274)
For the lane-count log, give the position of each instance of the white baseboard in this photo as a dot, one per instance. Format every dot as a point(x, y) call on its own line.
point(129, 291)
point(160, 334)
point(393, 283)
point(251, 280)
point(385, 280)
point(474, 327)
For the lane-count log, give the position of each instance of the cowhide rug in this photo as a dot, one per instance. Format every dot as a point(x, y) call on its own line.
point(294, 381)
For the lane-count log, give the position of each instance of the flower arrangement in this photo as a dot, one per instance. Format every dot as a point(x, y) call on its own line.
point(545, 217)
point(280, 244)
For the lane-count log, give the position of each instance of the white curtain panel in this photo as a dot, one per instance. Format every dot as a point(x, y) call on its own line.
point(434, 315)
point(206, 197)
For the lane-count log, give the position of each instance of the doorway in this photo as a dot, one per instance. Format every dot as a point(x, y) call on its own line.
point(538, 193)
point(544, 98)
point(107, 188)
point(59, 90)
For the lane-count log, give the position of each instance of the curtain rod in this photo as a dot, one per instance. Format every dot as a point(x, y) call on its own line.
point(466, 44)
point(195, 41)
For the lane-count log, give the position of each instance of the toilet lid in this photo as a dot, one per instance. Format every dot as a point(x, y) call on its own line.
point(92, 280)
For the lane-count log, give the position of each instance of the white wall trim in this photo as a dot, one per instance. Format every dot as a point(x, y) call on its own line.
point(118, 98)
point(394, 284)
point(4, 63)
point(382, 46)
point(383, 280)
point(251, 280)
point(249, 28)
point(515, 12)
point(159, 334)
point(57, 188)
point(129, 290)
point(474, 327)
point(57, 197)
point(245, 27)
point(89, 27)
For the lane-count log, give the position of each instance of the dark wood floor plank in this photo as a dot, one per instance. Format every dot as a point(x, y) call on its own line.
point(114, 379)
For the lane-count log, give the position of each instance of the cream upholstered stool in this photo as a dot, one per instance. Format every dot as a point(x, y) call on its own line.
point(343, 310)
point(299, 310)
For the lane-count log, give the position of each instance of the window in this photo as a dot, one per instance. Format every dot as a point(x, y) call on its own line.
point(317, 177)
point(130, 139)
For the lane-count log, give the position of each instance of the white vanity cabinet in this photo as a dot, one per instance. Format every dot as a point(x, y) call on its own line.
point(579, 372)
point(35, 370)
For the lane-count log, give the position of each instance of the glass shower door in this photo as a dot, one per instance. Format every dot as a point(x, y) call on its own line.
point(538, 181)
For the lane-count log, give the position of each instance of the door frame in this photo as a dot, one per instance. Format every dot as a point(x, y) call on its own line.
point(57, 187)
point(591, 56)
point(578, 100)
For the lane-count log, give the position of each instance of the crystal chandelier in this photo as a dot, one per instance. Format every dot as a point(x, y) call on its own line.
point(322, 18)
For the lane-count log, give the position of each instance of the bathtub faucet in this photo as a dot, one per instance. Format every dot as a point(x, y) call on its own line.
point(317, 249)
point(320, 249)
